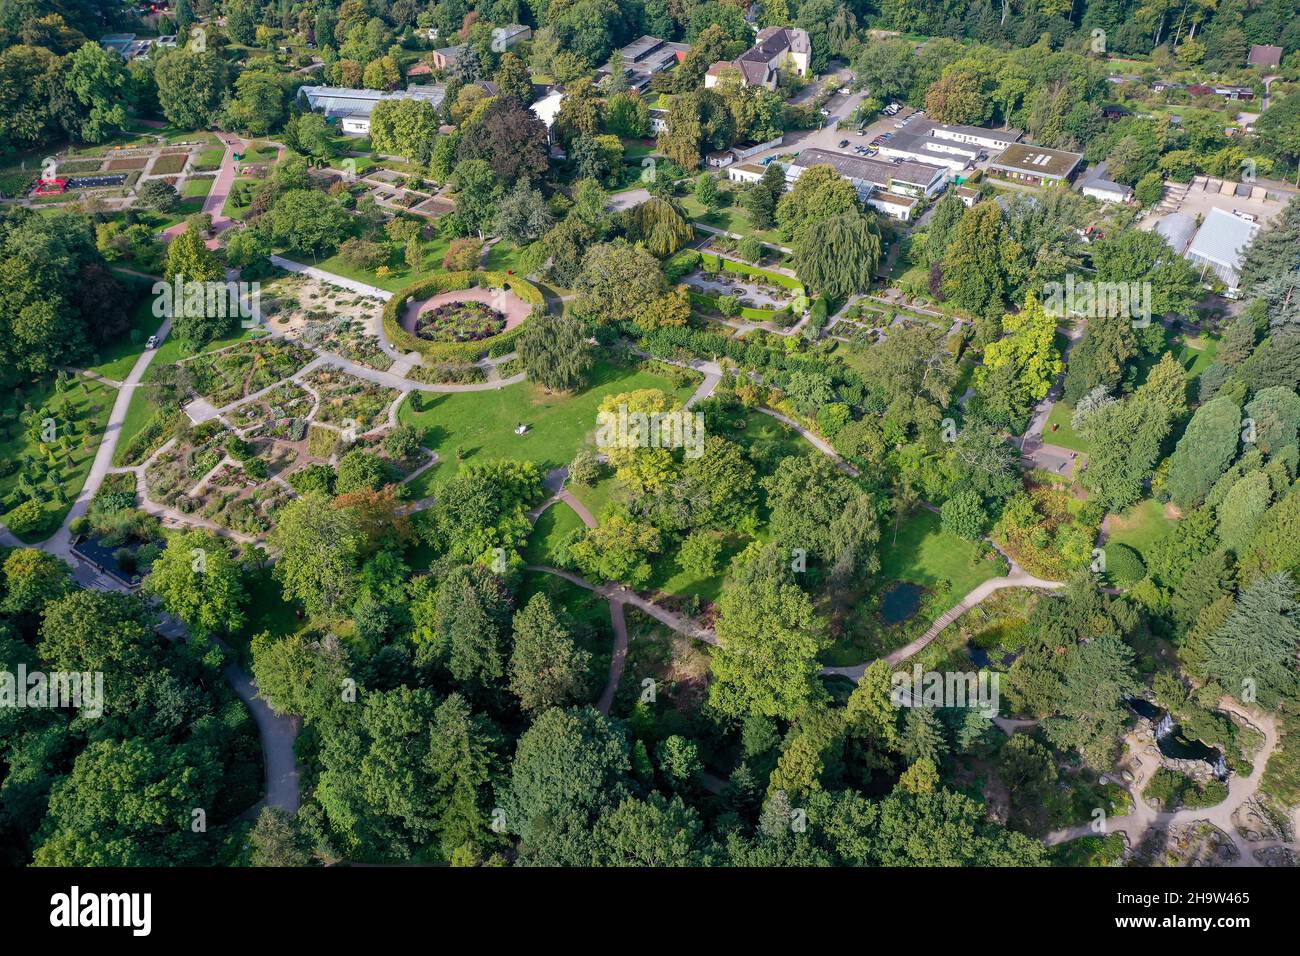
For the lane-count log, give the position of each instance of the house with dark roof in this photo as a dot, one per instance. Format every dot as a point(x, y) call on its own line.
point(1261, 54)
point(776, 49)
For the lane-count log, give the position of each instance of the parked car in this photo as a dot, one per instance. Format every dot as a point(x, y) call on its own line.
point(152, 343)
point(886, 135)
point(845, 91)
point(843, 143)
point(824, 112)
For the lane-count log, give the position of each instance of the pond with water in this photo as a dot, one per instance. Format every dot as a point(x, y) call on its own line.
point(901, 602)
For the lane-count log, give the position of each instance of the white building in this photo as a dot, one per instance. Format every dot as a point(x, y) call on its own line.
point(746, 172)
point(1106, 191)
point(876, 179)
point(1220, 244)
point(987, 139)
point(352, 108)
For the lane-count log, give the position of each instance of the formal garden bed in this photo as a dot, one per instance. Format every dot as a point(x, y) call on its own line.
point(227, 376)
point(464, 321)
point(174, 471)
point(281, 413)
point(347, 401)
point(350, 339)
point(322, 442)
point(511, 294)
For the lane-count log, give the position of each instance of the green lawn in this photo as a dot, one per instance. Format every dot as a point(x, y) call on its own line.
point(1065, 436)
point(504, 257)
point(85, 402)
point(268, 610)
point(667, 576)
point(401, 276)
point(1195, 353)
point(596, 496)
point(197, 187)
point(1139, 527)
point(117, 360)
point(922, 552)
point(729, 218)
point(552, 527)
point(481, 425)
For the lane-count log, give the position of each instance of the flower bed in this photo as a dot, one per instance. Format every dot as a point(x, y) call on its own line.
point(227, 376)
point(452, 281)
point(460, 322)
point(346, 400)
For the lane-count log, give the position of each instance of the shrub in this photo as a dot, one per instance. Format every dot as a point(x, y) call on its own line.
point(1124, 566)
point(448, 282)
point(26, 518)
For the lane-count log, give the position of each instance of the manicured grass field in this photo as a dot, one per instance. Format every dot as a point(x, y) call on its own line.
point(729, 218)
point(480, 426)
point(1139, 527)
point(552, 527)
point(197, 187)
point(922, 552)
point(401, 277)
point(596, 496)
point(117, 360)
point(86, 402)
point(1065, 436)
point(503, 257)
point(1196, 353)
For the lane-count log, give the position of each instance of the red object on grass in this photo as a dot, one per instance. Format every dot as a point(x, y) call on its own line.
point(51, 187)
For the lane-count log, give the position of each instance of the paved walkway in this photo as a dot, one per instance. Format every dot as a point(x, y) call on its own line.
point(215, 201)
point(1033, 450)
point(277, 733)
point(1241, 790)
point(1018, 578)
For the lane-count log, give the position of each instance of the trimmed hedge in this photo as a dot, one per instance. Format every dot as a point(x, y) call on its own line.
point(440, 352)
point(714, 262)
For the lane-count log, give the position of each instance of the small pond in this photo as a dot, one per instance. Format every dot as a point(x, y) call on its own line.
point(900, 602)
point(981, 658)
point(1172, 743)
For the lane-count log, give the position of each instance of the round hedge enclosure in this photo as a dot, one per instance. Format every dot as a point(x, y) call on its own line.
point(435, 291)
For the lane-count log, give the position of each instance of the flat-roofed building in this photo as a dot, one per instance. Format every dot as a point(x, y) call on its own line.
point(352, 108)
point(993, 140)
point(894, 206)
point(919, 180)
point(644, 57)
point(929, 149)
point(746, 172)
point(1036, 164)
